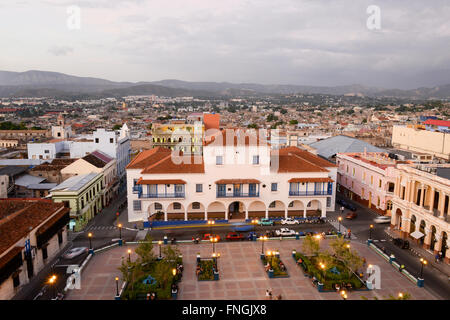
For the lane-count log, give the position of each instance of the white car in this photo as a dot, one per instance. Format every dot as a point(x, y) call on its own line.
point(382, 219)
point(289, 221)
point(285, 232)
point(75, 252)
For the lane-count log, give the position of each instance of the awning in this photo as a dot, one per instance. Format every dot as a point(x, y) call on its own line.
point(311, 180)
point(417, 234)
point(237, 181)
point(162, 181)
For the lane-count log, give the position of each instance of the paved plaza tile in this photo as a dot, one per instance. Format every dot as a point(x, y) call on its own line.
point(242, 275)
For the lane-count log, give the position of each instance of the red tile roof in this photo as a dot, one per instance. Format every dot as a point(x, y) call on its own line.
point(440, 123)
point(161, 181)
point(19, 216)
point(311, 180)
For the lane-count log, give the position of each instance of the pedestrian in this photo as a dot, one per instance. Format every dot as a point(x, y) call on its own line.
point(267, 294)
point(279, 297)
point(349, 234)
point(148, 296)
point(270, 294)
point(437, 257)
point(440, 255)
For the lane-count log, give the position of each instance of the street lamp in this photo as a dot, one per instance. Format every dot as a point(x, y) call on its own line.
point(262, 243)
point(255, 222)
point(322, 266)
point(213, 240)
point(400, 295)
point(347, 246)
point(423, 263)
point(129, 255)
point(210, 222)
point(174, 272)
point(344, 294)
point(52, 282)
point(90, 240)
point(117, 286)
point(339, 219)
point(159, 244)
point(120, 231)
point(370, 231)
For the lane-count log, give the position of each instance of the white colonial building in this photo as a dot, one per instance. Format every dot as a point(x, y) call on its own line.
point(421, 205)
point(237, 177)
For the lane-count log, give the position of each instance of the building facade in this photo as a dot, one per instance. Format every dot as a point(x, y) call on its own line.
point(237, 177)
point(33, 233)
point(368, 178)
point(83, 195)
point(421, 203)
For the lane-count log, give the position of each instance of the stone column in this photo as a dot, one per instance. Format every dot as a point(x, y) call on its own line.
point(304, 213)
point(185, 215)
point(226, 213)
point(165, 215)
point(432, 200)
point(427, 242)
point(421, 195)
point(324, 209)
point(285, 213)
point(438, 244)
point(267, 213)
point(441, 205)
point(206, 215)
point(404, 227)
point(246, 214)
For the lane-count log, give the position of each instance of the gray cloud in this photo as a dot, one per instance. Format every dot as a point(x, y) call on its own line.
point(317, 42)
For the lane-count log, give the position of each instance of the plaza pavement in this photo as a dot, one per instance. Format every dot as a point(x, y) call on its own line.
point(242, 276)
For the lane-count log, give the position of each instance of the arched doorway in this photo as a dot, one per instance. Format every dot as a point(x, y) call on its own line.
point(175, 211)
point(256, 209)
point(422, 229)
point(236, 210)
point(276, 209)
point(196, 211)
point(216, 210)
point(296, 209)
point(433, 238)
point(444, 246)
point(398, 219)
point(314, 208)
point(412, 224)
point(155, 211)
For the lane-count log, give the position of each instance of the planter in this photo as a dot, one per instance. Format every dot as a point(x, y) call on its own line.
point(275, 271)
point(207, 270)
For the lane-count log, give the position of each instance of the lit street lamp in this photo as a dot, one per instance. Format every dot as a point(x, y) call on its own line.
point(263, 239)
point(344, 294)
point(210, 222)
point(322, 266)
point(90, 240)
point(339, 219)
point(129, 255)
point(120, 231)
point(52, 282)
point(255, 222)
point(370, 231)
point(160, 243)
point(423, 262)
point(117, 286)
point(213, 240)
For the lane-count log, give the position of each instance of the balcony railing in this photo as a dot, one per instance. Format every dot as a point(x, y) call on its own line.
point(137, 188)
point(309, 193)
point(237, 194)
point(161, 195)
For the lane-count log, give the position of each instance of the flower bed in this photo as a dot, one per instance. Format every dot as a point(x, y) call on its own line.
point(342, 275)
point(205, 270)
point(274, 263)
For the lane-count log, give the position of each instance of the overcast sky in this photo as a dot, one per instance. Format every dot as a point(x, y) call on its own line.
point(306, 42)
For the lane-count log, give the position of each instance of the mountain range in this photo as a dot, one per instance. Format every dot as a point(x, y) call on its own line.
point(53, 84)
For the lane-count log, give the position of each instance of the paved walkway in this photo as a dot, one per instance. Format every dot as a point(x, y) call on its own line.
point(242, 275)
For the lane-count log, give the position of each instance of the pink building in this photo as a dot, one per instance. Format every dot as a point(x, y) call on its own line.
point(368, 178)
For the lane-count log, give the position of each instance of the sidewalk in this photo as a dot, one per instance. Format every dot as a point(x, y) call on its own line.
point(421, 252)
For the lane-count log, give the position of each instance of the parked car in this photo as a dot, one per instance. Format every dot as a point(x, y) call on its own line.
point(75, 252)
point(207, 236)
point(266, 222)
point(351, 216)
point(234, 236)
point(404, 244)
point(382, 219)
point(346, 204)
point(289, 221)
point(285, 232)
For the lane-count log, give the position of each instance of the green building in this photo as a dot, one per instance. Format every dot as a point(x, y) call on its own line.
point(83, 195)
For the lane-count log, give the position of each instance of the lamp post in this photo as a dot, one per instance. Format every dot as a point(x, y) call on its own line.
point(339, 219)
point(370, 231)
point(52, 282)
point(423, 262)
point(347, 246)
point(117, 286)
point(400, 296)
point(90, 240)
point(159, 244)
point(210, 222)
point(344, 294)
point(120, 231)
point(213, 240)
point(129, 255)
point(263, 239)
point(322, 266)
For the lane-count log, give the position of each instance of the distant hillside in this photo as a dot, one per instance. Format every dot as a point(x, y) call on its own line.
point(54, 84)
